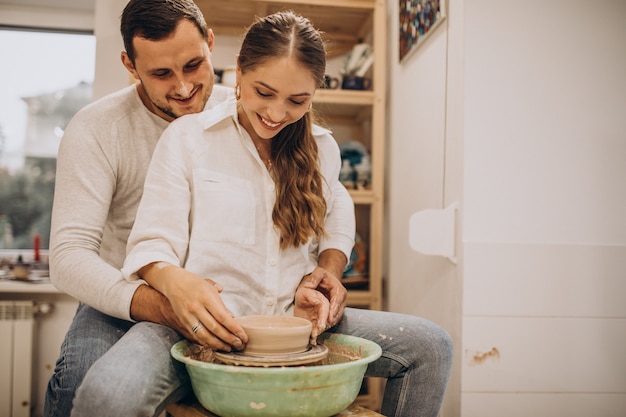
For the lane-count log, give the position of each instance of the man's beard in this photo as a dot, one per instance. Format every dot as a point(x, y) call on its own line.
point(167, 110)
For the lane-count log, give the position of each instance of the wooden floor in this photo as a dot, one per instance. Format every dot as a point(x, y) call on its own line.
point(194, 409)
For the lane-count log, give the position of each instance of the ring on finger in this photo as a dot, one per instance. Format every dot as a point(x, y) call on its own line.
point(196, 327)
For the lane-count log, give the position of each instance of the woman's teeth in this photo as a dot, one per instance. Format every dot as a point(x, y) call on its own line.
point(270, 124)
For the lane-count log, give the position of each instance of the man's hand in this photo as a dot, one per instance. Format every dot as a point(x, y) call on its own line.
point(333, 262)
point(313, 306)
point(321, 298)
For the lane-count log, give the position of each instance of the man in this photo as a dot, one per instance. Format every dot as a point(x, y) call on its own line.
point(101, 167)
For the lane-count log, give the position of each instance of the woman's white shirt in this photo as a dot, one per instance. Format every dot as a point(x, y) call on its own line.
point(207, 206)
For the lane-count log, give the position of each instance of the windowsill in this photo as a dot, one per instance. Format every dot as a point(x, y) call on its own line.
point(18, 287)
point(28, 255)
point(8, 284)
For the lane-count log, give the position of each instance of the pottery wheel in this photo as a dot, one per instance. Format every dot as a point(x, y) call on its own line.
point(313, 353)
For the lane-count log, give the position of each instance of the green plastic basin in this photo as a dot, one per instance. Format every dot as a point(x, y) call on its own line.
point(301, 391)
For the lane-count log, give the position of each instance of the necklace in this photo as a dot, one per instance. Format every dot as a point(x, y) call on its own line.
point(267, 162)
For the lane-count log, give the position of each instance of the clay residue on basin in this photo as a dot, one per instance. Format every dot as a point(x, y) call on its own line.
point(337, 353)
point(200, 353)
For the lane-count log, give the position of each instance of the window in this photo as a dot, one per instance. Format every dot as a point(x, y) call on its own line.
point(46, 78)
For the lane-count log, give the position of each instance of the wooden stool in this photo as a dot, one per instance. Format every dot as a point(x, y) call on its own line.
point(191, 408)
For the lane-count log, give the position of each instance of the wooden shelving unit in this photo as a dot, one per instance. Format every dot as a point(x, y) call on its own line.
point(344, 24)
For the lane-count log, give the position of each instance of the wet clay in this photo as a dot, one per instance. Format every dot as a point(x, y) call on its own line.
point(275, 335)
point(336, 354)
point(312, 354)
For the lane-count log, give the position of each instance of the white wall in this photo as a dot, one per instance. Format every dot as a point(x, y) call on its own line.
point(53, 18)
point(541, 115)
point(545, 235)
point(424, 172)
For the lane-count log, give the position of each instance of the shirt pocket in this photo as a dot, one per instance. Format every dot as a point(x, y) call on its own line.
point(223, 208)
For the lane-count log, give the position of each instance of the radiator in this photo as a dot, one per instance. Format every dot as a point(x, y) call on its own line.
point(16, 357)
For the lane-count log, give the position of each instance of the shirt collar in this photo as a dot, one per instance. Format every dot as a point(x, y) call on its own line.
point(219, 112)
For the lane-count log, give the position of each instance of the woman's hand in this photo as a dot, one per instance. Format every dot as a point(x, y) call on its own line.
point(198, 306)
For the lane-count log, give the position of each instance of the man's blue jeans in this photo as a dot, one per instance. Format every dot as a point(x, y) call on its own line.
point(111, 367)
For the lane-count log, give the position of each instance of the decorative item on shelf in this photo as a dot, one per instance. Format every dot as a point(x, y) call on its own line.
point(347, 174)
point(363, 173)
point(358, 61)
point(20, 269)
point(357, 264)
point(356, 170)
point(330, 82)
point(353, 82)
point(36, 249)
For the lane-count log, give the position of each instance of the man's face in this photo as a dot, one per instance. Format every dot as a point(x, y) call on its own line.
point(176, 73)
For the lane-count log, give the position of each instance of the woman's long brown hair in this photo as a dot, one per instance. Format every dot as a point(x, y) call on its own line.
point(300, 208)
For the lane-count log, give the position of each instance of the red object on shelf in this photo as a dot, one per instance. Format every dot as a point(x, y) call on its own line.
point(36, 248)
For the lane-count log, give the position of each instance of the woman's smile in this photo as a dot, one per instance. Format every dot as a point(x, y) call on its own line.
point(267, 123)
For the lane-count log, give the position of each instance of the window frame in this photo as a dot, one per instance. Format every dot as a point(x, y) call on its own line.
point(62, 26)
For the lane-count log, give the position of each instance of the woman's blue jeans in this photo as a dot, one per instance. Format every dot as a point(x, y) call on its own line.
point(111, 367)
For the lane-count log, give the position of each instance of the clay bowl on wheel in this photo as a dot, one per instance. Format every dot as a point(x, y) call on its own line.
point(299, 391)
point(275, 335)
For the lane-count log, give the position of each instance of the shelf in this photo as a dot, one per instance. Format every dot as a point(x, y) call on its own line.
point(351, 98)
point(344, 106)
point(355, 282)
point(344, 22)
point(359, 298)
point(364, 197)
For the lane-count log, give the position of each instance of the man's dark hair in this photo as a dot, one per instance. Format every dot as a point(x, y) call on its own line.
point(157, 19)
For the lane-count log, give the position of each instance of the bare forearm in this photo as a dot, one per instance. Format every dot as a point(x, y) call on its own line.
point(149, 302)
point(334, 261)
point(150, 305)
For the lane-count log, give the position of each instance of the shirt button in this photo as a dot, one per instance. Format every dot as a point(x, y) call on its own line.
point(273, 262)
point(271, 188)
point(270, 301)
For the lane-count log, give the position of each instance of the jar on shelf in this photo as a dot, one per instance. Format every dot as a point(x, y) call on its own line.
point(347, 174)
point(363, 173)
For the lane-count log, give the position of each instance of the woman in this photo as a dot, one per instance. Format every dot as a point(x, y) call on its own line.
point(233, 212)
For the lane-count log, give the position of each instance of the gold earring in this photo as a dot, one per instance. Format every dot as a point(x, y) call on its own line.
point(237, 92)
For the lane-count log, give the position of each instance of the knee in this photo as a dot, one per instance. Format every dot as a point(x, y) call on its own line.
point(104, 392)
point(444, 346)
point(438, 359)
point(94, 394)
point(434, 342)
